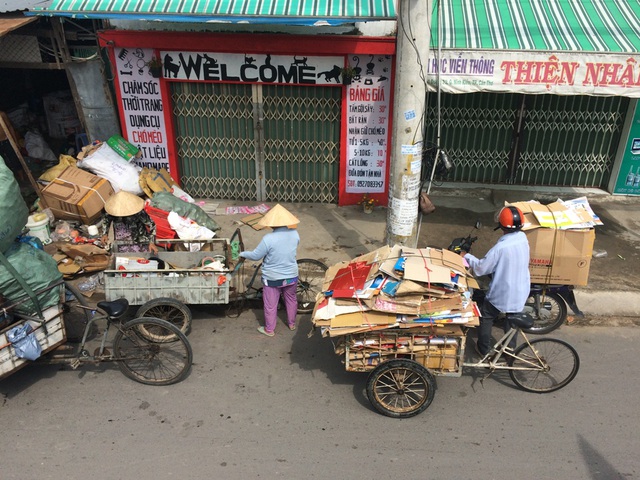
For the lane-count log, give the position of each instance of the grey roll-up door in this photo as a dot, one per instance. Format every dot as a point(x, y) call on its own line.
point(544, 140)
point(258, 142)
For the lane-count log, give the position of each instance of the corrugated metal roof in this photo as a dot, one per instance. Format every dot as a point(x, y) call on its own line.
point(553, 25)
point(293, 12)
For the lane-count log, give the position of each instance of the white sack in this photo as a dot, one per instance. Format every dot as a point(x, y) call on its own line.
point(187, 230)
point(106, 163)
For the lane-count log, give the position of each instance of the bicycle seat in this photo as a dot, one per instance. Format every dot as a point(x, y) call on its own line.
point(114, 308)
point(519, 320)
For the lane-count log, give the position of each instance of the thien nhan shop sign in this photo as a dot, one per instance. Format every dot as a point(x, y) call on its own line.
point(559, 73)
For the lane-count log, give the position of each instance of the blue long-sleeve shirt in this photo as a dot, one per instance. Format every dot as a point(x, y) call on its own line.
point(508, 263)
point(278, 249)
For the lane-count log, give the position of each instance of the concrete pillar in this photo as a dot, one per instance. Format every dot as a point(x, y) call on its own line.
point(412, 54)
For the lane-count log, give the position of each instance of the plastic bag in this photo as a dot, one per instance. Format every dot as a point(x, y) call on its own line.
point(24, 342)
point(426, 205)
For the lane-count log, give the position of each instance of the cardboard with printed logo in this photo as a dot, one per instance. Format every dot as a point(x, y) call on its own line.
point(78, 195)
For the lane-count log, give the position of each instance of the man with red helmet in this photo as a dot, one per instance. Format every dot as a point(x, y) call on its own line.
point(508, 264)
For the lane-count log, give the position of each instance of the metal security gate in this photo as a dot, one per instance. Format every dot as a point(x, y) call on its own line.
point(543, 140)
point(258, 142)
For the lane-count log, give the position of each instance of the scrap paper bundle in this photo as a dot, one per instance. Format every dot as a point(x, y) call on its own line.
point(395, 288)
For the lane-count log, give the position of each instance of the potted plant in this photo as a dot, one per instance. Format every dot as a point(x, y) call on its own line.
point(347, 73)
point(367, 203)
point(155, 67)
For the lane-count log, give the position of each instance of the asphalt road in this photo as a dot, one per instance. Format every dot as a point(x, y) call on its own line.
point(283, 407)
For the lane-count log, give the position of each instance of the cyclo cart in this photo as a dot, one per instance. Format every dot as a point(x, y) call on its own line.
point(408, 322)
point(164, 284)
point(148, 350)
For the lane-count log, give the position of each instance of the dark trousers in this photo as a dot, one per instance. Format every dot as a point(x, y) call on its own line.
point(489, 314)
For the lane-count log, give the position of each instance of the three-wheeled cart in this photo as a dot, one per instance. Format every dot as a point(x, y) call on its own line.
point(163, 284)
point(402, 364)
point(148, 350)
point(212, 275)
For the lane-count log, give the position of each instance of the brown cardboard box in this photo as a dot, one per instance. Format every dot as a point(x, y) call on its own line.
point(439, 358)
point(77, 195)
point(560, 257)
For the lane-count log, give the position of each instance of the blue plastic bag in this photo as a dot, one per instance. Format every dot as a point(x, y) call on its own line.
point(24, 342)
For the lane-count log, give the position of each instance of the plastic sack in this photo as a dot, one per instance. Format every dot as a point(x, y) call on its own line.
point(54, 172)
point(38, 269)
point(24, 342)
point(188, 230)
point(13, 210)
point(169, 203)
point(106, 163)
point(37, 147)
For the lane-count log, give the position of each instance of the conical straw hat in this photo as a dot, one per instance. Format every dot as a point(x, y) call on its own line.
point(278, 216)
point(123, 204)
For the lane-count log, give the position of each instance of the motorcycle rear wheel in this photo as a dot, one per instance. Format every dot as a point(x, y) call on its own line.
point(550, 315)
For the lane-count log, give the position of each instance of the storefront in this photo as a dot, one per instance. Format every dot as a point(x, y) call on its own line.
point(550, 90)
point(264, 117)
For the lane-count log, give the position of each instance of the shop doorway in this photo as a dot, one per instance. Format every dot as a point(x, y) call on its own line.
point(273, 143)
point(541, 140)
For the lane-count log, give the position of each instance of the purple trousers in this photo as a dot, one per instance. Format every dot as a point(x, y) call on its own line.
point(270, 297)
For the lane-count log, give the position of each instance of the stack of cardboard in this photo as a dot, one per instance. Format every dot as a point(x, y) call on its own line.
point(395, 288)
point(561, 236)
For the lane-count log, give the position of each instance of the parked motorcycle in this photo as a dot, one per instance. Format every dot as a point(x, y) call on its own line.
point(547, 304)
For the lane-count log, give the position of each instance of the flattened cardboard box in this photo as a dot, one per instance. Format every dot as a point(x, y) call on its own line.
point(77, 195)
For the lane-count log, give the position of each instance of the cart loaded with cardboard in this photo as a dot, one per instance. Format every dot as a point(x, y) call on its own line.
point(401, 314)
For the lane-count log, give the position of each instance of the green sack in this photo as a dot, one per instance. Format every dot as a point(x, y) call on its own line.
point(13, 210)
point(170, 203)
point(38, 269)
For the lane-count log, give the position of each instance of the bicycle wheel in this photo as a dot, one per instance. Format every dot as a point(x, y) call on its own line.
point(310, 277)
point(400, 388)
point(548, 311)
point(148, 361)
point(544, 365)
point(169, 309)
point(75, 318)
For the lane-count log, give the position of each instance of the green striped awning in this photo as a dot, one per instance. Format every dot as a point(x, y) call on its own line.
point(292, 12)
point(550, 25)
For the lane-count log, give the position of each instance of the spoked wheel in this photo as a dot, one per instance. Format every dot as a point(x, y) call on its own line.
point(152, 362)
point(310, 277)
point(169, 309)
point(548, 311)
point(75, 317)
point(400, 388)
point(544, 365)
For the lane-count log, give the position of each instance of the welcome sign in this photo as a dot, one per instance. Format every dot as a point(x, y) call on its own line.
point(252, 68)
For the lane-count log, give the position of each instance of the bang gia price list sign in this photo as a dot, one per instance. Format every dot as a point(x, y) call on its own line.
point(368, 124)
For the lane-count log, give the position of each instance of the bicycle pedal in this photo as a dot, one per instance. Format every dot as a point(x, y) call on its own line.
point(75, 363)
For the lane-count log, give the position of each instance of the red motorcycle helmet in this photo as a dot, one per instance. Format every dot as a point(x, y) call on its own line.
point(510, 218)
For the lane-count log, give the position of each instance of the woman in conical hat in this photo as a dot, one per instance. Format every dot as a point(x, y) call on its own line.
point(132, 228)
point(278, 250)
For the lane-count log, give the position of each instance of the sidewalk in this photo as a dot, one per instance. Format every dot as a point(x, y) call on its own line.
point(332, 234)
